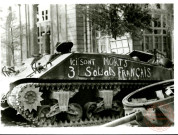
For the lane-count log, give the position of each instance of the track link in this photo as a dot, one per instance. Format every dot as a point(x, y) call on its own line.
point(35, 121)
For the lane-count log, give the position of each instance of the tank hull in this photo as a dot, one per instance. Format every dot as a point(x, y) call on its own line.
point(79, 85)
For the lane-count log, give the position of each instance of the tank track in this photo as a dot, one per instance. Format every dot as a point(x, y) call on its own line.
point(80, 123)
point(34, 120)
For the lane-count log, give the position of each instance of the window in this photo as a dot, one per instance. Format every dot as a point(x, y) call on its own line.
point(42, 15)
point(103, 45)
point(148, 31)
point(46, 15)
point(97, 34)
point(158, 44)
point(164, 21)
point(148, 42)
point(164, 32)
point(157, 22)
point(157, 31)
point(38, 32)
point(165, 45)
point(120, 46)
point(37, 10)
point(157, 38)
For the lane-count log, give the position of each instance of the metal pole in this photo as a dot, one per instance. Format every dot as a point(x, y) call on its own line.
point(135, 116)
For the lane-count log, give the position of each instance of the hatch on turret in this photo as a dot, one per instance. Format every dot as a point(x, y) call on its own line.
point(64, 47)
point(143, 56)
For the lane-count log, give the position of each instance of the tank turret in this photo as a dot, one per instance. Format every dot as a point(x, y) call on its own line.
point(150, 106)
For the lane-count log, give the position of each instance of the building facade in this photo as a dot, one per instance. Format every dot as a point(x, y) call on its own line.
point(161, 37)
point(44, 25)
point(62, 23)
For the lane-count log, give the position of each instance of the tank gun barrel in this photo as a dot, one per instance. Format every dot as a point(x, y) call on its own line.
point(135, 116)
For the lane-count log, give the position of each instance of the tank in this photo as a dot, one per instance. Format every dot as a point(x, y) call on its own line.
point(77, 86)
point(150, 106)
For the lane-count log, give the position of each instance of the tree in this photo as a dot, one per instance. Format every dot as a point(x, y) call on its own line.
point(118, 19)
point(10, 38)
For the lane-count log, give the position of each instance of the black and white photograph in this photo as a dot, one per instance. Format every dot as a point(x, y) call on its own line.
point(87, 65)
